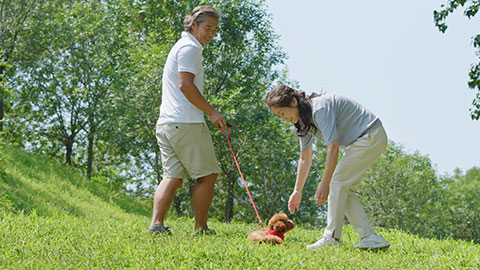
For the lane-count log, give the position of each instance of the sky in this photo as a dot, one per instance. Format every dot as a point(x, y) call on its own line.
point(390, 57)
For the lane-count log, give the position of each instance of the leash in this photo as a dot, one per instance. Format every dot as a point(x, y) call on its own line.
point(236, 162)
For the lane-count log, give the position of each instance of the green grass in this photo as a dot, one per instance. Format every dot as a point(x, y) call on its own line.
point(51, 218)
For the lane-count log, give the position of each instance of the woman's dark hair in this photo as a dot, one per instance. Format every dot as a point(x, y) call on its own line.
point(282, 96)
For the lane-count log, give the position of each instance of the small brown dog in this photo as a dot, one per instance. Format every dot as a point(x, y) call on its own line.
point(278, 225)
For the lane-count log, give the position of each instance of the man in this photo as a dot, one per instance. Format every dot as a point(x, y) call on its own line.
point(182, 134)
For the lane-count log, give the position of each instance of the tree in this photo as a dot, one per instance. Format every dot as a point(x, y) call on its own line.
point(69, 88)
point(102, 51)
point(15, 19)
point(33, 42)
point(12, 17)
point(460, 205)
point(2, 141)
point(59, 91)
point(471, 9)
point(401, 191)
point(94, 87)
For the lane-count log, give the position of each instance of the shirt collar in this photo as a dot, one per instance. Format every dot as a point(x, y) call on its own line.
point(192, 37)
point(300, 122)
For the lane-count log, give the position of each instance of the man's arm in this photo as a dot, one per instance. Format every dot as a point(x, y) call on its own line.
point(191, 92)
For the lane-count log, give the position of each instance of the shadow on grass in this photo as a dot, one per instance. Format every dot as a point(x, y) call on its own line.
point(27, 198)
point(41, 169)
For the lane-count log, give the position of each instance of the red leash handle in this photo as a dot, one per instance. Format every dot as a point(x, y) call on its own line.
point(238, 166)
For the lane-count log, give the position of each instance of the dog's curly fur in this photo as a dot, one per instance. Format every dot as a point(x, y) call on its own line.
point(278, 223)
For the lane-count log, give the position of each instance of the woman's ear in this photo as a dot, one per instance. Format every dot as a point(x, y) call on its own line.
point(294, 102)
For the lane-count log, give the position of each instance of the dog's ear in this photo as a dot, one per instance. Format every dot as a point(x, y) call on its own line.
point(290, 225)
point(272, 221)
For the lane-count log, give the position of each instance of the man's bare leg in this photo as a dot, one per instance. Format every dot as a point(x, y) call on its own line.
point(202, 199)
point(163, 198)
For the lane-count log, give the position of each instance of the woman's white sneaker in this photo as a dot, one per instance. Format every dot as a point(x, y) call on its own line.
point(373, 241)
point(325, 241)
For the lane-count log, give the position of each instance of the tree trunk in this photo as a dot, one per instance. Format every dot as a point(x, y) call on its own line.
point(91, 138)
point(2, 71)
point(191, 186)
point(1, 107)
point(177, 203)
point(69, 148)
point(90, 156)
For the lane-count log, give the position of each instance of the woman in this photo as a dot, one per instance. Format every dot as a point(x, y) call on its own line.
point(338, 121)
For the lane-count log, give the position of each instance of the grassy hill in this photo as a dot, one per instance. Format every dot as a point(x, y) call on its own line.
point(52, 218)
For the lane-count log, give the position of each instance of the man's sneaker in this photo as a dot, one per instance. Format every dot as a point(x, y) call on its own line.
point(373, 241)
point(325, 241)
point(206, 231)
point(160, 229)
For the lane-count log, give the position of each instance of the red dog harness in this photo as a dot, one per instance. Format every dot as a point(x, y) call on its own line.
point(272, 232)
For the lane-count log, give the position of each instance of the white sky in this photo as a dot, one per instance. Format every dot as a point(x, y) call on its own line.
point(389, 56)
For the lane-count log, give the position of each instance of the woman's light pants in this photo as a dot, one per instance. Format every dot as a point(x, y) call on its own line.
point(348, 173)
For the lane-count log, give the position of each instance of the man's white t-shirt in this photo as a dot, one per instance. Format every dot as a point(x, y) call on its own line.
point(185, 56)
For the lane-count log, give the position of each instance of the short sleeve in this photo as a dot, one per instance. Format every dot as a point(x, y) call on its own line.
point(306, 141)
point(325, 121)
point(188, 59)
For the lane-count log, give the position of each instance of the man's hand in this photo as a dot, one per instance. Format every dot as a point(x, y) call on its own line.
point(217, 119)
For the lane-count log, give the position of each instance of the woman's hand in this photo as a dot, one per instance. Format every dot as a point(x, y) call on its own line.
point(323, 189)
point(294, 201)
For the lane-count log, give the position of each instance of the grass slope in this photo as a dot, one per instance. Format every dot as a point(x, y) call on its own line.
point(51, 218)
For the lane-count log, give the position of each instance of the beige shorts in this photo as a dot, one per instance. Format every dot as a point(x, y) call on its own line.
point(186, 148)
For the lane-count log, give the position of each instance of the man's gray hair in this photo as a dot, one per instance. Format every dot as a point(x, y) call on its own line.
point(199, 15)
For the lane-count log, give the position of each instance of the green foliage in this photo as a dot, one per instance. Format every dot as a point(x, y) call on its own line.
point(18, 44)
point(474, 83)
point(461, 204)
point(2, 160)
point(110, 179)
point(401, 191)
point(71, 84)
point(90, 92)
point(2, 140)
point(471, 9)
point(6, 206)
point(2, 164)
